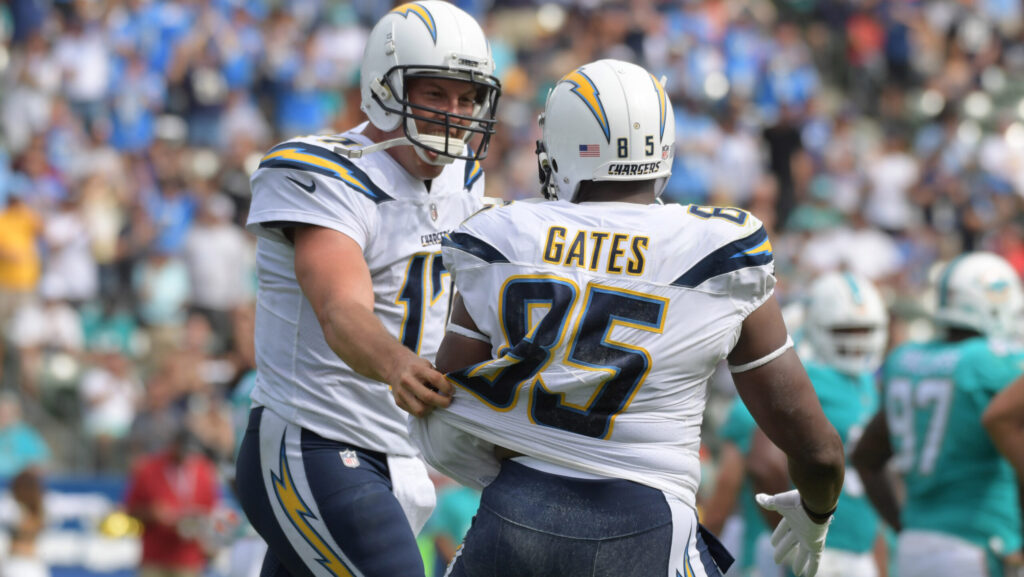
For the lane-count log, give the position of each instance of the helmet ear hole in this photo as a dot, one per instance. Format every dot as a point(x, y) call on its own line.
point(554, 165)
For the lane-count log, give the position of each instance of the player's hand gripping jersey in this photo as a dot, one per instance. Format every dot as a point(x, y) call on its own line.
point(399, 227)
point(590, 322)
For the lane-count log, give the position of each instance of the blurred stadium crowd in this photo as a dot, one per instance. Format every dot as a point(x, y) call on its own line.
point(879, 137)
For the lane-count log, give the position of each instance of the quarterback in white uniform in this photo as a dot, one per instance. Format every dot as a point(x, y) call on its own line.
point(581, 342)
point(353, 297)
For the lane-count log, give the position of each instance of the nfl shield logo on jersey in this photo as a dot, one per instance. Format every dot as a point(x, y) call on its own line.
point(349, 458)
point(433, 211)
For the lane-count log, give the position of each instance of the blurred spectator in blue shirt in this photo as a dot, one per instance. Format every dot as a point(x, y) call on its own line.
point(171, 209)
point(140, 93)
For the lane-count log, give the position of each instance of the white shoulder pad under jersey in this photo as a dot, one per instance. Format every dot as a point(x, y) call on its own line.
point(399, 226)
point(606, 321)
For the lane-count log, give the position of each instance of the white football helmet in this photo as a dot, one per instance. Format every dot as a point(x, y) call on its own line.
point(428, 39)
point(607, 120)
point(847, 323)
point(981, 292)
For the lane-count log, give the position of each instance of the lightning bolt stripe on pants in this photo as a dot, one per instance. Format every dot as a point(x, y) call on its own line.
point(295, 508)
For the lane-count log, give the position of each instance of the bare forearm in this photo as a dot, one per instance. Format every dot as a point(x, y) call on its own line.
point(793, 420)
point(1004, 421)
point(768, 467)
point(358, 337)
point(1008, 436)
point(819, 482)
point(883, 498)
point(1015, 454)
point(870, 458)
point(880, 552)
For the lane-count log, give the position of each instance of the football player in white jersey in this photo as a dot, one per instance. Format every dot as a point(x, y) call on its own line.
point(581, 346)
point(353, 297)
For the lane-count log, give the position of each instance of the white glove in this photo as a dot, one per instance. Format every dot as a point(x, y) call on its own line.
point(798, 540)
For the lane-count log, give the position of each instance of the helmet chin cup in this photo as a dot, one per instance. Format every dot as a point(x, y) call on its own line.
point(434, 143)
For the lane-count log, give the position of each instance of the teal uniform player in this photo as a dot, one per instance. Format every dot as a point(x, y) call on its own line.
point(956, 481)
point(961, 512)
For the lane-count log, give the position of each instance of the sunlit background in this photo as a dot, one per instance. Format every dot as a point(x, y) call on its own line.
point(879, 137)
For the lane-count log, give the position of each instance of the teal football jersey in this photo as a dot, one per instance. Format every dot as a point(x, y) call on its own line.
point(956, 481)
point(849, 403)
point(738, 428)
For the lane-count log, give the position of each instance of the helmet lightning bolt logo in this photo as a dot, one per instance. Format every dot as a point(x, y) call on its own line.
point(300, 515)
point(422, 13)
point(662, 108)
point(584, 87)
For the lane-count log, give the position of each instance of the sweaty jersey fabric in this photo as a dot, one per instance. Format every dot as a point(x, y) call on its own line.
point(956, 481)
point(606, 321)
point(399, 225)
point(848, 402)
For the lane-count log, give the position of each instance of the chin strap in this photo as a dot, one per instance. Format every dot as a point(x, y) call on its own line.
point(455, 146)
point(544, 172)
point(441, 160)
point(359, 152)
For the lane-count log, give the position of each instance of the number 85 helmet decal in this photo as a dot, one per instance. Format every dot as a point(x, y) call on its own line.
point(607, 120)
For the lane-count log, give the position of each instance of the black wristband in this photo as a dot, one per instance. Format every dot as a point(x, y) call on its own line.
point(817, 517)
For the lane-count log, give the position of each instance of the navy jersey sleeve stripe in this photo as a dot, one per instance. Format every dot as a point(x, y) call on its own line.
point(474, 246)
point(750, 251)
point(311, 158)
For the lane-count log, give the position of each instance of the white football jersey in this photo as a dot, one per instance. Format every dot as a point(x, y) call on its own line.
point(606, 321)
point(399, 225)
